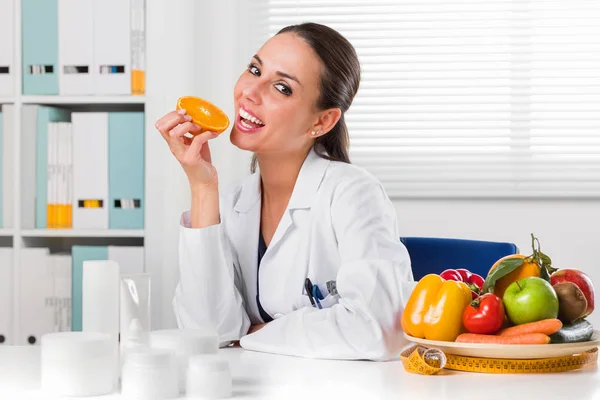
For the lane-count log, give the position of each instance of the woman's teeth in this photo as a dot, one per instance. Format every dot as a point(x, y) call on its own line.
point(249, 117)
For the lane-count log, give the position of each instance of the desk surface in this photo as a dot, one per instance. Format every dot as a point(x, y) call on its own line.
point(268, 376)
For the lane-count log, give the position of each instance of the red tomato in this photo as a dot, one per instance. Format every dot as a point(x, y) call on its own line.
point(484, 315)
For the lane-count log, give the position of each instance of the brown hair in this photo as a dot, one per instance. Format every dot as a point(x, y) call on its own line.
point(339, 83)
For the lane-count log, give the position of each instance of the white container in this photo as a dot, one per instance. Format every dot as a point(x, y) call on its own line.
point(149, 375)
point(208, 377)
point(100, 303)
point(100, 290)
point(137, 340)
point(184, 343)
point(134, 304)
point(77, 364)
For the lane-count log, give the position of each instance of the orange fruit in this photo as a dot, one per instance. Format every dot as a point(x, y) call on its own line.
point(204, 114)
point(527, 269)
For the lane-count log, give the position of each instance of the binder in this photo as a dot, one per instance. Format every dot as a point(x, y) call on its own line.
point(6, 285)
point(7, 53)
point(64, 201)
point(63, 291)
point(112, 47)
point(79, 255)
point(59, 205)
point(61, 298)
point(8, 138)
point(138, 47)
point(90, 170)
point(39, 23)
point(76, 46)
point(126, 170)
point(52, 200)
point(129, 258)
point(34, 164)
point(36, 287)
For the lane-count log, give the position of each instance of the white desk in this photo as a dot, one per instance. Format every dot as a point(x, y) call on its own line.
point(267, 376)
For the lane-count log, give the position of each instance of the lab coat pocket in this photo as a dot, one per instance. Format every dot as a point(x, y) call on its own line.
point(330, 300)
point(304, 301)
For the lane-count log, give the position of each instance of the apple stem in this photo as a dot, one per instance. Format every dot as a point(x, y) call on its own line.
point(520, 288)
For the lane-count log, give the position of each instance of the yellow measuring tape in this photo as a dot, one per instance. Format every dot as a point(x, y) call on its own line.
point(420, 360)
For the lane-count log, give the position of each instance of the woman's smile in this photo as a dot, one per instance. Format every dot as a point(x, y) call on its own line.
point(247, 122)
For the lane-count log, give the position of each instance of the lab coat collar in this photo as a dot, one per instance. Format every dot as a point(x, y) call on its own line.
point(308, 182)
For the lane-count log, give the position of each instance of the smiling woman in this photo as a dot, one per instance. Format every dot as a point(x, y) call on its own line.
point(303, 257)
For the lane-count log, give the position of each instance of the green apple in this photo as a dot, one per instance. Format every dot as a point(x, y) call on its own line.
point(529, 300)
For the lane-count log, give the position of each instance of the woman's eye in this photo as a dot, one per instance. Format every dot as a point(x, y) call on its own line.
point(284, 89)
point(254, 70)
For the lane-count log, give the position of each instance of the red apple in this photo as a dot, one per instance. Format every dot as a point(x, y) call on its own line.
point(582, 281)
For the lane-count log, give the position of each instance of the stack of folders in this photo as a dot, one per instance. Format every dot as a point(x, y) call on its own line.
point(98, 48)
point(50, 289)
point(7, 41)
point(82, 170)
point(7, 135)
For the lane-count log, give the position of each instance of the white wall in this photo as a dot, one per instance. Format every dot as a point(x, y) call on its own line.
point(569, 231)
point(191, 51)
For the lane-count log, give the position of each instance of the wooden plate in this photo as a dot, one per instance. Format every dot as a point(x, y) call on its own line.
point(510, 351)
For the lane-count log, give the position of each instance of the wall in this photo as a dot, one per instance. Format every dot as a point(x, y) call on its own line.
point(569, 231)
point(191, 51)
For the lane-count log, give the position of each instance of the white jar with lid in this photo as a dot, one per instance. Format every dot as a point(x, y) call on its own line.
point(149, 374)
point(185, 343)
point(208, 377)
point(77, 364)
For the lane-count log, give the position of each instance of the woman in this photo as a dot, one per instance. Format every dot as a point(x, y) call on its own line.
point(303, 258)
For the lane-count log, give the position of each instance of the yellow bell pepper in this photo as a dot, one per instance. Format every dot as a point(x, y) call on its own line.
point(434, 309)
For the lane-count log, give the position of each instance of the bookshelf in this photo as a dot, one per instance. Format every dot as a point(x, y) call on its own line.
point(67, 100)
point(82, 233)
point(15, 235)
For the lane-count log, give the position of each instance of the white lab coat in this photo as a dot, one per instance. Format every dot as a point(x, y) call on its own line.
point(339, 226)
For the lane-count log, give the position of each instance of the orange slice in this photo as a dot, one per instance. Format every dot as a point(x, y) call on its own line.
point(204, 114)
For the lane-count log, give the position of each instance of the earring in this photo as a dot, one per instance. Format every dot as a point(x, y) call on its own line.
point(313, 132)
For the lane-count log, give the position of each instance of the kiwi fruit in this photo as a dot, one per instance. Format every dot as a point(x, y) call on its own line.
point(571, 302)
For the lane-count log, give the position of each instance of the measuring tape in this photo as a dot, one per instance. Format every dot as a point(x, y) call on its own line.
point(420, 360)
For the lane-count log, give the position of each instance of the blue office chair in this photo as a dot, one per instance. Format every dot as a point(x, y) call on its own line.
point(434, 255)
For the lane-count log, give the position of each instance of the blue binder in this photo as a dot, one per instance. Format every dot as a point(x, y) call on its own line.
point(126, 170)
point(40, 46)
point(81, 254)
point(44, 116)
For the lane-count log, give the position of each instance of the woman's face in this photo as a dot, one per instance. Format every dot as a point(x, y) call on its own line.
point(275, 97)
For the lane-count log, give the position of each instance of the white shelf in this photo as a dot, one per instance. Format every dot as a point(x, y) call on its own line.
point(4, 232)
point(104, 233)
point(84, 99)
point(7, 100)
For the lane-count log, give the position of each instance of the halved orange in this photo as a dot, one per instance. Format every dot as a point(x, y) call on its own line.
point(205, 114)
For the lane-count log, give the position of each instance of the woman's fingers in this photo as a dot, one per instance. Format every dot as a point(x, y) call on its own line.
point(170, 121)
point(197, 145)
point(180, 130)
point(173, 126)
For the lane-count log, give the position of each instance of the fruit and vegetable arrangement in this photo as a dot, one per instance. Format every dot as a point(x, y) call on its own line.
point(522, 300)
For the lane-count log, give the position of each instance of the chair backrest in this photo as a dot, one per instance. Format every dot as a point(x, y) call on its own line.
point(434, 255)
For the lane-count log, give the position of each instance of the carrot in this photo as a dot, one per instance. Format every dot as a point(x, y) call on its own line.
point(526, 338)
point(545, 326)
